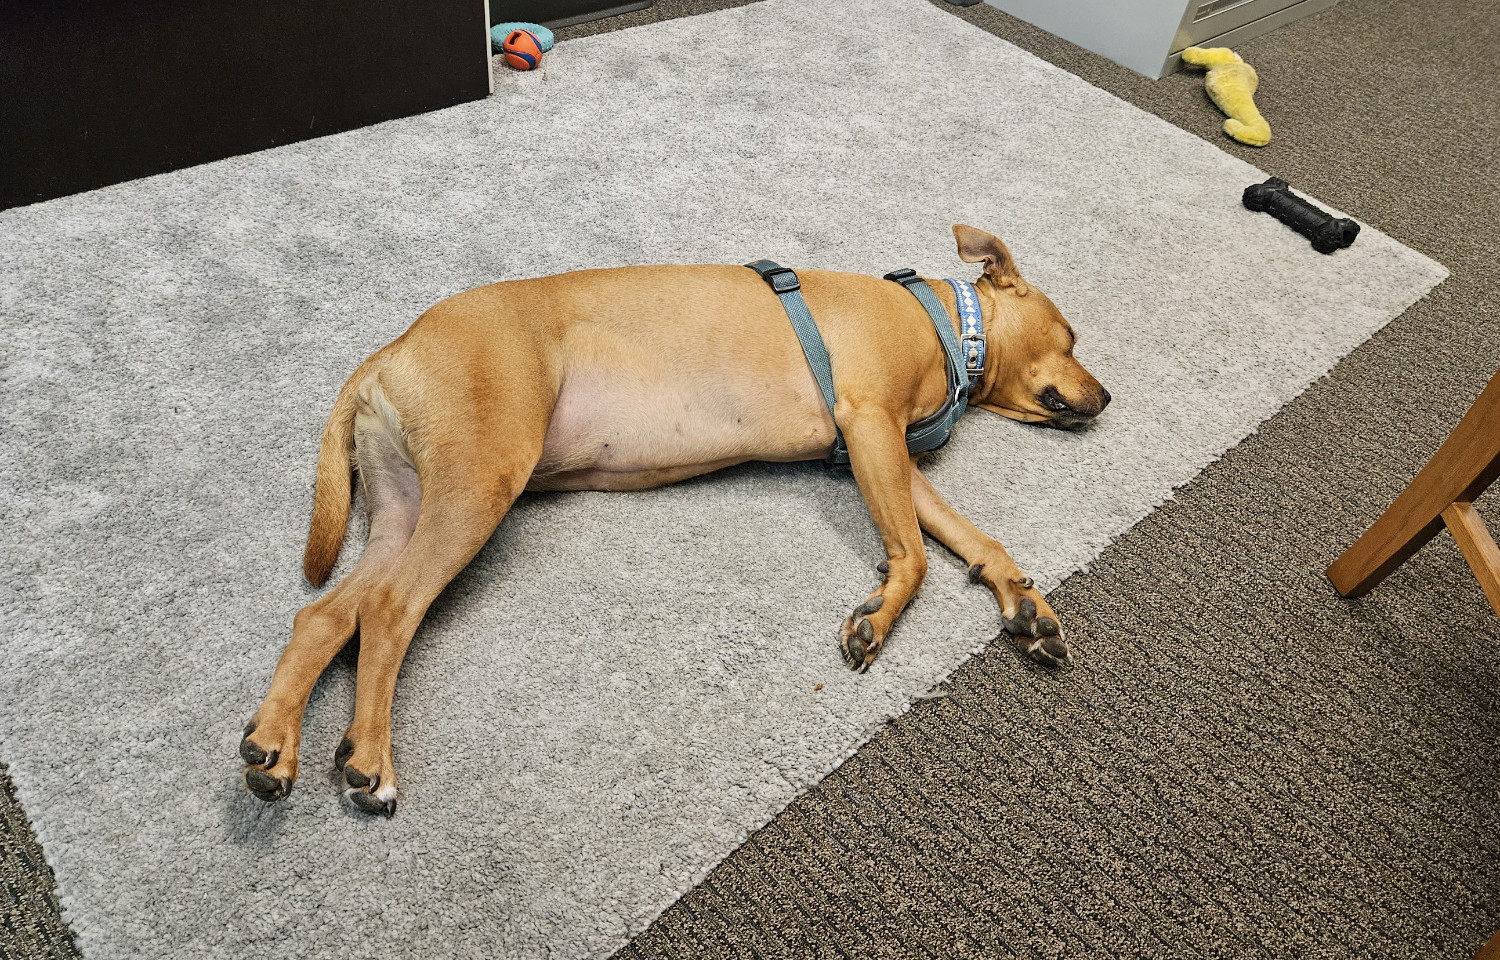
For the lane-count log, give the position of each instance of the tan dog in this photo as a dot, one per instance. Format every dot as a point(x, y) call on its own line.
point(631, 378)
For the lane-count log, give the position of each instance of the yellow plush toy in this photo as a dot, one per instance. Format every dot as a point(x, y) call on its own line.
point(1231, 84)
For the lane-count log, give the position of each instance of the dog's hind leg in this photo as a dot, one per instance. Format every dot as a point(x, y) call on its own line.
point(1025, 614)
point(468, 485)
point(320, 629)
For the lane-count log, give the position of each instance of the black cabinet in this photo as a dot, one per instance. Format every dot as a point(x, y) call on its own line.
point(99, 91)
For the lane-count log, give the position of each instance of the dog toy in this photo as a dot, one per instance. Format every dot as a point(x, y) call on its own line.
point(1231, 84)
point(500, 31)
point(1326, 232)
point(522, 50)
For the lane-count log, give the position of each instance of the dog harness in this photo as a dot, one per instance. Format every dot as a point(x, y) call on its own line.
point(965, 353)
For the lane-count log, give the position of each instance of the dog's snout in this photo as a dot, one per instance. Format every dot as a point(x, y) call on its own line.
point(1073, 414)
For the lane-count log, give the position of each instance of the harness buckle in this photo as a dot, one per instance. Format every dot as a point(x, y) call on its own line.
point(782, 280)
point(906, 276)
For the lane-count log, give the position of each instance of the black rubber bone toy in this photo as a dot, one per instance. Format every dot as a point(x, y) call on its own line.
point(1326, 232)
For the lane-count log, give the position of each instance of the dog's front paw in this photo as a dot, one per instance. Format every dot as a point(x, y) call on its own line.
point(269, 774)
point(1038, 637)
point(860, 638)
point(370, 775)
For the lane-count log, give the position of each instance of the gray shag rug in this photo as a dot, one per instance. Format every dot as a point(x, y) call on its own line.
point(621, 687)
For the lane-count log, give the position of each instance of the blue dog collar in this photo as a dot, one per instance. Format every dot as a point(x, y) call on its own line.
point(971, 328)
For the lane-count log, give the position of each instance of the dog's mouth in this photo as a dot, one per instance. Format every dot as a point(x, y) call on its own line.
point(1072, 424)
point(1064, 415)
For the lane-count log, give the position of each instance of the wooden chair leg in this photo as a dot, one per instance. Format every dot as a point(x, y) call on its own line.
point(1464, 466)
point(1478, 548)
point(1491, 950)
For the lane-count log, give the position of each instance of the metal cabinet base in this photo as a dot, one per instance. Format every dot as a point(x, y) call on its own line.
point(1148, 35)
point(1228, 24)
point(560, 13)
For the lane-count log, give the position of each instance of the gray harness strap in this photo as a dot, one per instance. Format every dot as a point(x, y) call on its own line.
point(926, 434)
point(786, 285)
point(934, 431)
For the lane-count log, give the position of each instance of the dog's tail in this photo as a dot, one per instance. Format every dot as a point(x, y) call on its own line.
point(330, 515)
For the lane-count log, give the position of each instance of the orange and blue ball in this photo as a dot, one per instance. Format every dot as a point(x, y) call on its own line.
point(522, 50)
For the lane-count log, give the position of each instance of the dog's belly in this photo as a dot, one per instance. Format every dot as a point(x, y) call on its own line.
point(616, 431)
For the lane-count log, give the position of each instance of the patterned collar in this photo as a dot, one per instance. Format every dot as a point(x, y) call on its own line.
point(970, 328)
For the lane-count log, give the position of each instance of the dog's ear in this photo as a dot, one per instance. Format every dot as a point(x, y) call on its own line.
point(976, 245)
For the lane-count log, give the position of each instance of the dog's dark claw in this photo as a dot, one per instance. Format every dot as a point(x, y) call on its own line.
point(975, 571)
point(870, 606)
point(1025, 583)
point(265, 786)
point(356, 779)
point(343, 753)
point(252, 754)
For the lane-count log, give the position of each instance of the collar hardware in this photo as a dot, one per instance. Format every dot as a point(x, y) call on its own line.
point(971, 329)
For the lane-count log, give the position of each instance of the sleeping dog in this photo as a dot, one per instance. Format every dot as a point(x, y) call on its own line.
point(629, 378)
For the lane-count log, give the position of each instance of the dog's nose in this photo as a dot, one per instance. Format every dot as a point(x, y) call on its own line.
point(1104, 398)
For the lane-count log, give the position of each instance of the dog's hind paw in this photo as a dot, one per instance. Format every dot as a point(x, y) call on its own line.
point(370, 793)
point(1040, 638)
point(262, 777)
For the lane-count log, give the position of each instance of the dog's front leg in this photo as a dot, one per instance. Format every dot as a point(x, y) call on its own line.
point(878, 457)
point(1025, 613)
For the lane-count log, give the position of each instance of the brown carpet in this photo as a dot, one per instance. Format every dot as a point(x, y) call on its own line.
point(30, 927)
point(1241, 764)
